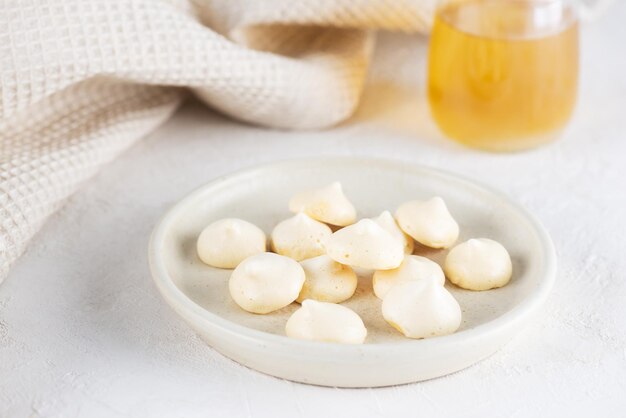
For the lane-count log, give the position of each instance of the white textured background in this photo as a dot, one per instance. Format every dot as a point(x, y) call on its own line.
point(83, 331)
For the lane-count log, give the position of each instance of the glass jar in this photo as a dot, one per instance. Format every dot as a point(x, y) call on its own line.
point(503, 74)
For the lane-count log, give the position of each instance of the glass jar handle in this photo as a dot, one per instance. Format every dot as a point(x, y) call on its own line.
point(590, 10)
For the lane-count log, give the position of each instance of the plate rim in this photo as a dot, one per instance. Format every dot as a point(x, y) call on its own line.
point(181, 302)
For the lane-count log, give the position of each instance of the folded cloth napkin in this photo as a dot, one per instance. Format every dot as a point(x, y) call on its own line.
point(82, 80)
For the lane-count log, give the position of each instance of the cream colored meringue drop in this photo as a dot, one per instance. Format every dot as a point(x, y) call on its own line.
point(366, 245)
point(227, 242)
point(421, 309)
point(326, 322)
point(300, 237)
point(429, 222)
point(266, 282)
point(479, 264)
point(327, 280)
point(413, 268)
point(327, 204)
point(389, 224)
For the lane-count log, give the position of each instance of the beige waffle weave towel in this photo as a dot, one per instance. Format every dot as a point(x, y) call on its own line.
point(81, 80)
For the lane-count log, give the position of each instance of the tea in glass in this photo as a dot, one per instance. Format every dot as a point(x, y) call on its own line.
point(503, 74)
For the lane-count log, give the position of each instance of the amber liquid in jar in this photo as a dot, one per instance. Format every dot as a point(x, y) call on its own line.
point(503, 74)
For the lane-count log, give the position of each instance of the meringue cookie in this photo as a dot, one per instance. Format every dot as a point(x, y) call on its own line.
point(421, 309)
point(413, 268)
point(389, 224)
point(300, 237)
point(227, 242)
point(327, 204)
point(367, 245)
point(327, 280)
point(266, 282)
point(479, 264)
point(429, 222)
point(327, 322)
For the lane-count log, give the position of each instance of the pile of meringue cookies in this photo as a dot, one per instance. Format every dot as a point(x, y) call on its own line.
point(313, 264)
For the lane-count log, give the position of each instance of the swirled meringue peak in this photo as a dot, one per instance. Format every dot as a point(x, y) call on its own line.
point(328, 204)
point(366, 245)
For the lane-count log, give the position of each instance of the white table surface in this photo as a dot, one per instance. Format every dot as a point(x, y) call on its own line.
point(83, 331)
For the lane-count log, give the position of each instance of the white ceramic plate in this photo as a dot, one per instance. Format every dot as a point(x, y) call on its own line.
point(199, 293)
